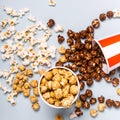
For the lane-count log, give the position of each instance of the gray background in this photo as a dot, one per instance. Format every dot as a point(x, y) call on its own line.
point(72, 14)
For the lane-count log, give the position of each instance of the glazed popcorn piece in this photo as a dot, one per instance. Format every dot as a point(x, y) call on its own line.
point(93, 112)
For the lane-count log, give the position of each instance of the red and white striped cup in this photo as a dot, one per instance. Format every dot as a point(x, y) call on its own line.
point(110, 47)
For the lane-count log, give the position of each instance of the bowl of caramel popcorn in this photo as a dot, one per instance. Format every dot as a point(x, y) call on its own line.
point(59, 87)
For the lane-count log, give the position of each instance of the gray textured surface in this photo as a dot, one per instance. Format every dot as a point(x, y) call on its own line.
point(73, 14)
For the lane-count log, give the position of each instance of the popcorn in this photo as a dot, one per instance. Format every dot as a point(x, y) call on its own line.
point(59, 28)
point(3, 23)
point(52, 3)
point(4, 89)
point(32, 18)
point(116, 13)
point(15, 13)
point(10, 79)
point(11, 99)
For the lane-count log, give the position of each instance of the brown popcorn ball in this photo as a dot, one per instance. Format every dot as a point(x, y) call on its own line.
point(86, 105)
point(95, 23)
point(51, 23)
point(80, 77)
point(82, 85)
point(76, 36)
point(83, 97)
point(108, 79)
point(89, 82)
point(115, 82)
point(48, 75)
point(109, 103)
point(70, 41)
point(16, 81)
point(83, 34)
point(116, 104)
point(101, 99)
point(88, 93)
point(58, 117)
point(60, 39)
point(70, 33)
point(78, 112)
point(90, 29)
point(74, 67)
point(33, 98)
point(102, 17)
point(36, 106)
point(112, 72)
point(93, 101)
point(58, 63)
point(33, 83)
point(110, 14)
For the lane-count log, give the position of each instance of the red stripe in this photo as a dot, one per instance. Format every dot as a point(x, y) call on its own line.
point(110, 40)
point(114, 60)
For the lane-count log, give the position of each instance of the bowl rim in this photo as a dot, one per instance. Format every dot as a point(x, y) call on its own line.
point(57, 67)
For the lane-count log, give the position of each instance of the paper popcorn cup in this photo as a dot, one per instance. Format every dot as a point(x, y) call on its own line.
point(110, 47)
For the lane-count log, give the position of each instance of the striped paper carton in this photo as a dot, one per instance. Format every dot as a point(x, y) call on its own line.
point(110, 47)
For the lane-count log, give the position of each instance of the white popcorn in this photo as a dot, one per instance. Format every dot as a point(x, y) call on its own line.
point(26, 10)
point(13, 21)
point(7, 9)
point(32, 18)
point(116, 13)
point(10, 79)
point(26, 62)
point(59, 28)
point(10, 99)
point(73, 115)
point(5, 74)
point(52, 3)
point(3, 23)
point(4, 88)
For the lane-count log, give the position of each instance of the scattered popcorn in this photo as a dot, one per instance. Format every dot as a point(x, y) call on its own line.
point(116, 13)
point(15, 13)
point(10, 79)
point(59, 28)
point(4, 89)
point(32, 18)
point(3, 23)
point(73, 115)
point(11, 99)
point(52, 3)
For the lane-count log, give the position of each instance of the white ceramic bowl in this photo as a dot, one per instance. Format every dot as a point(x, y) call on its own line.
point(53, 106)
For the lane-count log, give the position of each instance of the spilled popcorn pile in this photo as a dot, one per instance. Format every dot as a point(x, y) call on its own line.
point(20, 57)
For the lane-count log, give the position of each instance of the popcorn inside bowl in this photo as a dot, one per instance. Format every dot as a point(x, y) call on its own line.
point(59, 87)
